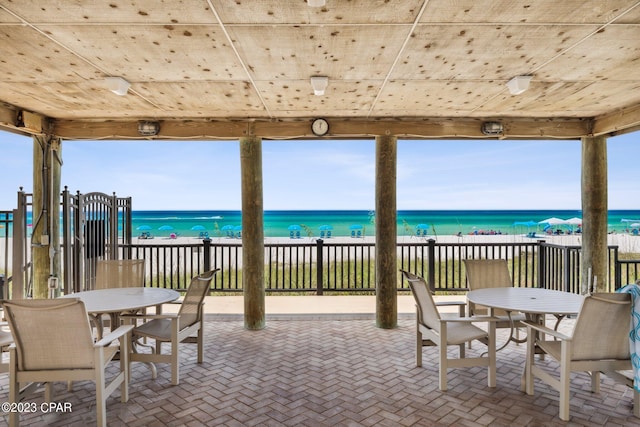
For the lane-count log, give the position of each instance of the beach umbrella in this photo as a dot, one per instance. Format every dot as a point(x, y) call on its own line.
point(422, 226)
point(574, 221)
point(325, 227)
point(553, 221)
point(525, 223)
point(635, 224)
point(198, 228)
point(355, 227)
point(144, 228)
point(165, 228)
point(294, 227)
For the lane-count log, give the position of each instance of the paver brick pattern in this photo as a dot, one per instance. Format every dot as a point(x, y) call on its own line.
point(332, 373)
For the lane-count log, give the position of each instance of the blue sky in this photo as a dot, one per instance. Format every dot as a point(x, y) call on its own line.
point(432, 174)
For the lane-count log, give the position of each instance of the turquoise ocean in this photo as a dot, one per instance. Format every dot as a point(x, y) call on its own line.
point(435, 222)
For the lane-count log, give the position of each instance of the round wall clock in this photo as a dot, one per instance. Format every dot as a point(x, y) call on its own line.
point(320, 127)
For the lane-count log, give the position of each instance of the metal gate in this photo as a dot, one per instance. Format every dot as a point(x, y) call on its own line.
point(93, 225)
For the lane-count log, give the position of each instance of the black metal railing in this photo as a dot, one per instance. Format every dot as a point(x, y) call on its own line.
point(321, 266)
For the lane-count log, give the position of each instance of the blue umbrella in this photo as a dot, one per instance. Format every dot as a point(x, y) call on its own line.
point(198, 228)
point(325, 227)
point(294, 227)
point(144, 228)
point(527, 223)
point(165, 228)
point(422, 226)
point(355, 227)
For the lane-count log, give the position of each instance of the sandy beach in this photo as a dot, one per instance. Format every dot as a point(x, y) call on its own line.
point(626, 243)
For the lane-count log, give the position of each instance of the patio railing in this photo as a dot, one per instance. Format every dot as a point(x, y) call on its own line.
point(321, 266)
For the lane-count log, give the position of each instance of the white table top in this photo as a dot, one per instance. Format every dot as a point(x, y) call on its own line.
point(123, 299)
point(528, 300)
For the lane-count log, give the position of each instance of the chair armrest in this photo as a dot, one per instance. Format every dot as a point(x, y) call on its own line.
point(149, 316)
point(114, 335)
point(545, 330)
point(471, 319)
point(449, 303)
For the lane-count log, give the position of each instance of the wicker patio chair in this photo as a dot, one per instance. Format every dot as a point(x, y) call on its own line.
point(599, 344)
point(175, 328)
point(53, 342)
point(446, 329)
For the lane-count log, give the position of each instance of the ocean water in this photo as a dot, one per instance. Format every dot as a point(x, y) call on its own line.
point(435, 222)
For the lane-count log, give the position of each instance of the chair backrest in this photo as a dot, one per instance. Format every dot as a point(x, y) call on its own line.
point(602, 328)
point(427, 312)
point(198, 288)
point(487, 273)
point(50, 334)
point(119, 273)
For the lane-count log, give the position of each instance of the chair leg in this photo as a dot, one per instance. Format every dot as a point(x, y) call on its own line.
point(527, 377)
point(418, 344)
point(595, 381)
point(565, 370)
point(101, 403)
point(200, 343)
point(175, 355)
point(491, 372)
point(442, 352)
point(125, 367)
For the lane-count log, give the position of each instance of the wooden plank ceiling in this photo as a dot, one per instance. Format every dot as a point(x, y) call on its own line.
point(221, 69)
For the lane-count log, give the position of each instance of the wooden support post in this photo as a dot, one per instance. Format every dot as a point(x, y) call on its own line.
point(386, 233)
point(46, 213)
point(252, 233)
point(594, 212)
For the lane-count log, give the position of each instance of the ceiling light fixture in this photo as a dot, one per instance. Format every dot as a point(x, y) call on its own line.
point(518, 84)
point(146, 128)
point(117, 85)
point(492, 128)
point(319, 84)
point(316, 3)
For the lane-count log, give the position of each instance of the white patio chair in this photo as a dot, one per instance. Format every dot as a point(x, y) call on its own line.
point(54, 342)
point(446, 329)
point(175, 328)
point(599, 344)
point(492, 273)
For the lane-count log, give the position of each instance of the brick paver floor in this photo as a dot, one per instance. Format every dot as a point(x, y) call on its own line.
point(332, 373)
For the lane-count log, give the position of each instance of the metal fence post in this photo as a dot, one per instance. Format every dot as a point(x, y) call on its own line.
point(319, 267)
point(431, 250)
point(541, 263)
point(207, 254)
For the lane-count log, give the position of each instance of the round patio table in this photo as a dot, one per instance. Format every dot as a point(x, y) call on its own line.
point(115, 301)
point(533, 301)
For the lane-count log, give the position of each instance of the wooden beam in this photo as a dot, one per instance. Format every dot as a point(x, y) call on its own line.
point(340, 128)
point(623, 121)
